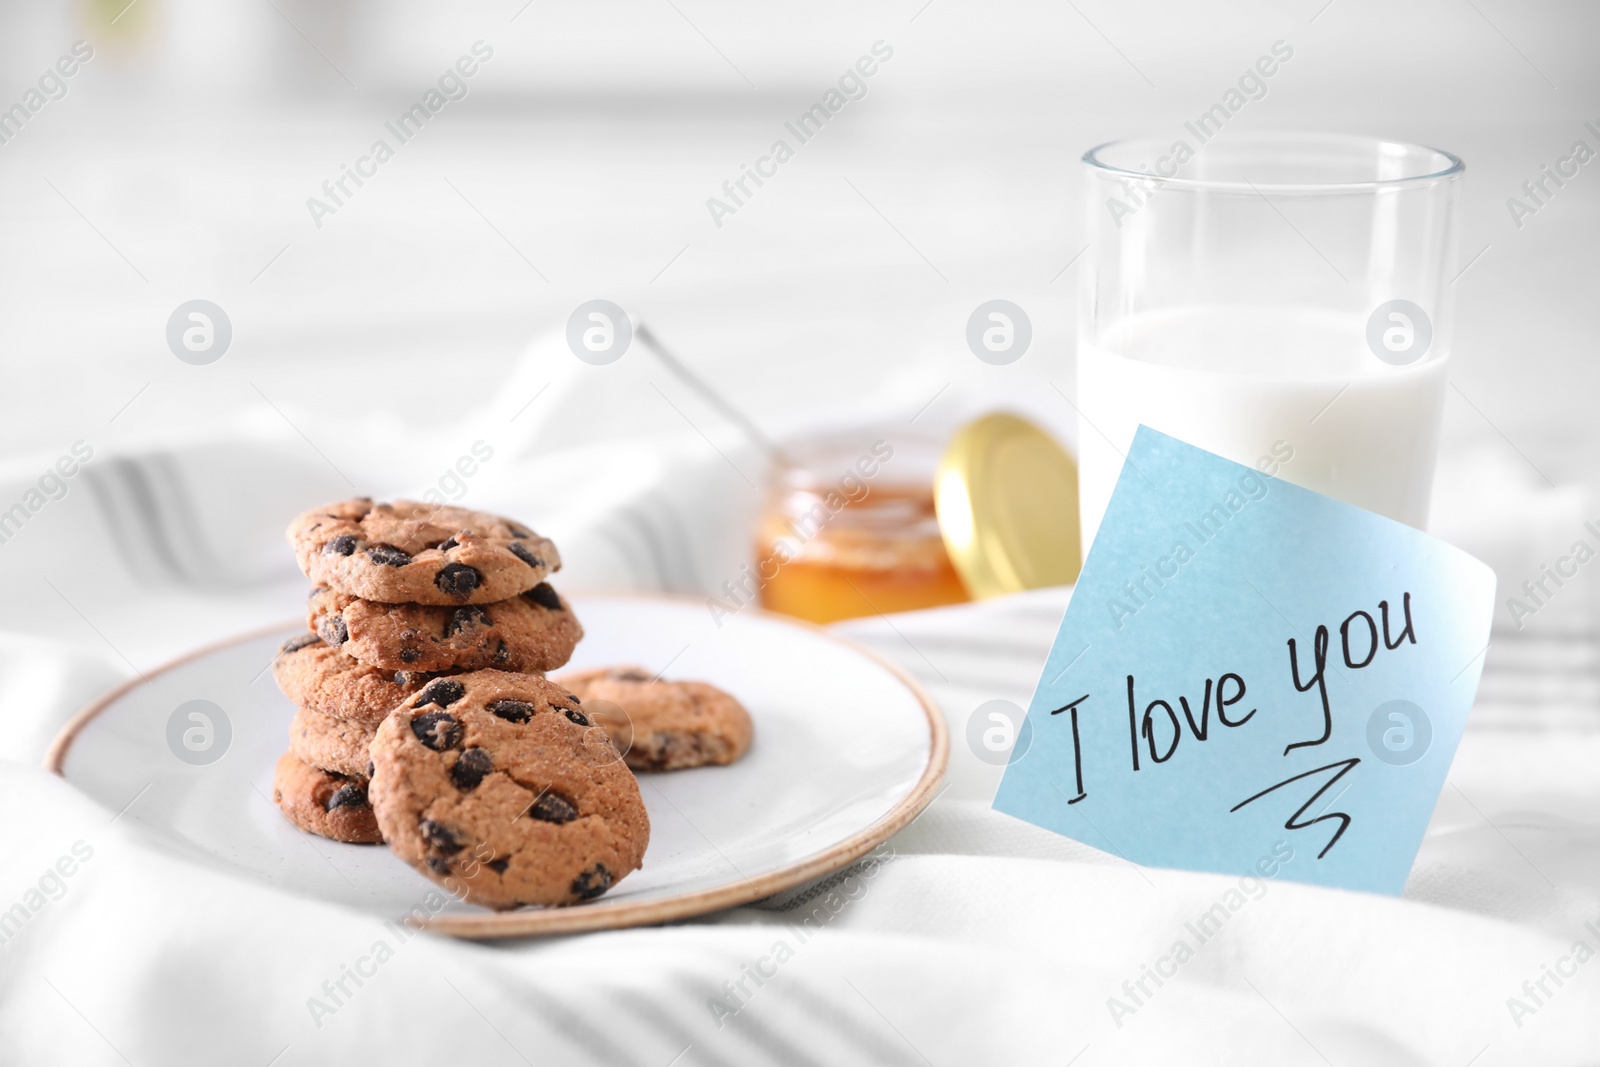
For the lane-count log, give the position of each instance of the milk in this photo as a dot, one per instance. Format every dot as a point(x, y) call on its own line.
point(1257, 385)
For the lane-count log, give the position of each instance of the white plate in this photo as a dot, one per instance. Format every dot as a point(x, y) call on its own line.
point(847, 751)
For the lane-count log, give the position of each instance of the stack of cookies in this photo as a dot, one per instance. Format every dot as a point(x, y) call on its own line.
point(425, 719)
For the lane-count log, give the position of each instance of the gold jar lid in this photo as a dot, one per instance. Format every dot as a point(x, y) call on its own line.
point(1007, 499)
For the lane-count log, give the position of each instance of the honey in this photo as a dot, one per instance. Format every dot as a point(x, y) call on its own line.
point(850, 530)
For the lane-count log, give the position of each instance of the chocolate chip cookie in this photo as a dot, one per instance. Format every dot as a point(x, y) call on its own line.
point(533, 631)
point(413, 553)
point(323, 679)
point(337, 745)
point(663, 726)
point(497, 786)
point(324, 803)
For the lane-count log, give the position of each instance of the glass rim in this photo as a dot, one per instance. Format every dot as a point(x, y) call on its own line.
point(1451, 165)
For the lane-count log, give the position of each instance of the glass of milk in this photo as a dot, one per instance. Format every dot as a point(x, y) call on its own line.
point(1281, 299)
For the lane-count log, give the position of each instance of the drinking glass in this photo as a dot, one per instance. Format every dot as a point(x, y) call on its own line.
point(1281, 299)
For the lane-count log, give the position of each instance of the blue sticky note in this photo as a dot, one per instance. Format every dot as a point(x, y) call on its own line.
point(1252, 678)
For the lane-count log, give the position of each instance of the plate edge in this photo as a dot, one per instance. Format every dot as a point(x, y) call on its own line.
point(616, 916)
point(55, 757)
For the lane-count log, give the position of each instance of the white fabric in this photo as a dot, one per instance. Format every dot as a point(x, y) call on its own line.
point(969, 938)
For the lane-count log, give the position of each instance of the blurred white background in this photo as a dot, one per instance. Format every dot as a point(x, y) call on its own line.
point(179, 164)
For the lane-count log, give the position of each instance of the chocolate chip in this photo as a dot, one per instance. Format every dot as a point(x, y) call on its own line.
point(447, 544)
point(370, 768)
point(471, 766)
point(349, 795)
point(409, 678)
point(577, 716)
point(409, 655)
point(441, 691)
point(388, 555)
point(629, 676)
point(440, 838)
point(501, 653)
point(439, 730)
point(295, 644)
point(465, 618)
point(592, 883)
point(645, 761)
point(342, 545)
point(512, 710)
point(457, 579)
point(553, 807)
point(498, 866)
point(574, 698)
point(544, 596)
point(439, 865)
point(525, 554)
point(334, 631)
point(517, 531)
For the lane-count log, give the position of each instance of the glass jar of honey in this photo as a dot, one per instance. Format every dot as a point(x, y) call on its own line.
point(849, 529)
